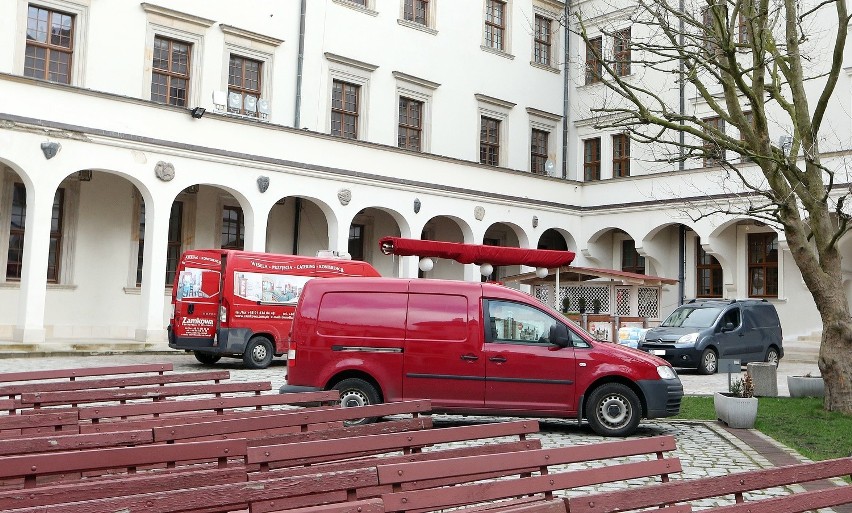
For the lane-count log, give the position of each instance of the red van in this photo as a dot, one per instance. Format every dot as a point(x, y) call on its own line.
point(472, 348)
point(240, 304)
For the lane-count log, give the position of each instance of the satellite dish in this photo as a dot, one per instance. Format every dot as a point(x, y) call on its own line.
point(235, 100)
point(263, 106)
point(549, 165)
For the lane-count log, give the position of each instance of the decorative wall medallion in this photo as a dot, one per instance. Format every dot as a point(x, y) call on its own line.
point(262, 183)
point(165, 171)
point(535, 221)
point(345, 196)
point(50, 149)
point(479, 213)
point(416, 206)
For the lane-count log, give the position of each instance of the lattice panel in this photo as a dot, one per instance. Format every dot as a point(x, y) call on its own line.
point(542, 293)
point(649, 302)
point(589, 294)
point(622, 300)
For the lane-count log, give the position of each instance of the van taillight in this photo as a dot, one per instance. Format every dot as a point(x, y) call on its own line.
point(174, 312)
point(291, 354)
point(223, 314)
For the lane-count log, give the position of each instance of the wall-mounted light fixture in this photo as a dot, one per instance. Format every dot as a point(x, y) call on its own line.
point(85, 175)
point(197, 112)
point(192, 189)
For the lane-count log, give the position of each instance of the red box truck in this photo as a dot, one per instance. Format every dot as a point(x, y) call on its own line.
point(240, 304)
point(471, 348)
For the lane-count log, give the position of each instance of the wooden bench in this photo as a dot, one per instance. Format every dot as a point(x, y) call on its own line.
point(73, 398)
point(321, 486)
point(74, 373)
point(735, 485)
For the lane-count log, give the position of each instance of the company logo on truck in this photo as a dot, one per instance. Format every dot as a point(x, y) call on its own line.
point(190, 321)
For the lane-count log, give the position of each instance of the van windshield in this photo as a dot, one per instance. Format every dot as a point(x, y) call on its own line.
point(690, 317)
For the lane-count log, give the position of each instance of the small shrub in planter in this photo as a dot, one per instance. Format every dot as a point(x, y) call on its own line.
point(738, 407)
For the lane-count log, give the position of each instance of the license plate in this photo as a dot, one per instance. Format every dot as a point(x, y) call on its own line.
point(658, 352)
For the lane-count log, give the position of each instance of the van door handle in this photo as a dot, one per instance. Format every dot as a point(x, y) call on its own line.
point(190, 309)
point(497, 359)
point(469, 357)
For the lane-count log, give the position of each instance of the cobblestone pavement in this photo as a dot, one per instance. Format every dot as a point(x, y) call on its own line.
point(704, 448)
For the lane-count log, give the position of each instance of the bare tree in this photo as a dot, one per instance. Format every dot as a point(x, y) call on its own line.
point(758, 68)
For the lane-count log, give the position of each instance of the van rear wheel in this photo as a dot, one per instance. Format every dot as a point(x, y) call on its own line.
point(355, 392)
point(207, 358)
point(613, 410)
point(258, 353)
point(772, 356)
point(709, 362)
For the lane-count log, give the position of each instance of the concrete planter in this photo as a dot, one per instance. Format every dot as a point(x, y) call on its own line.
point(806, 386)
point(736, 412)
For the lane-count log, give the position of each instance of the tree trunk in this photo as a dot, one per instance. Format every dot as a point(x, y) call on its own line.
point(834, 361)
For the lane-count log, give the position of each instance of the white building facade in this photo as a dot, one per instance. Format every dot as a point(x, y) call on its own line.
point(130, 132)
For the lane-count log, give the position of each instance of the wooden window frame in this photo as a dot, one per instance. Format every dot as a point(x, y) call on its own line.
point(237, 82)
point(708, 268)
point(489, 141)
point(621, 52)
point(538, 151)
point(620, 155)
point(742, 32)
point(761, 261)
point(170, 74)
point(338, 109)
point(49, 46)
point(714, 154)
point(594, 65)
point(631, 260)
point(15, 256)
point(542, 40)
point(410, 135)
point(238, 225)
point(495, 24)
point(592, 159)
point(174, 241)
point(57, 224)
point(416, 11)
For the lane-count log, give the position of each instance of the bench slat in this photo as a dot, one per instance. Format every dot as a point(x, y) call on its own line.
point(73, 441)
point(461, 495)
point(794, 503)
point(365, 506)
point(8, 377)
point(292, 493)
point(344, 448)
point(293, 418)
point(41, 419)
point(119, 457)
point(390, 474)
point(215, 404)
point(694, 489)
point(117, 486)
point(92, 384)
point(122, 394)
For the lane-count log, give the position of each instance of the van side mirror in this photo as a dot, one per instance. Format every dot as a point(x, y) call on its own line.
point(729, 326)
point(559, 335)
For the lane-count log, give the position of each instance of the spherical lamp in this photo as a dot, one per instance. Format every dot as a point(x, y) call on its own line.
point(541, 272)
point(426, 264)
point(486, 269)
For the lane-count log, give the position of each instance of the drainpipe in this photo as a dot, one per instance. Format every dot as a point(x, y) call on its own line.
point(565, 104)
point(300, 61)
point(681, 271)
point(297, 220)
point(682, 88)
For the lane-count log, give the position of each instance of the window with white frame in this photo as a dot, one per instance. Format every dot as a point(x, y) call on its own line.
point(496, 35)
point(364, 6)
point(543, 130)
point(248, 59)
point(53, 46)
point(348, 96)
point(414, 118)
point(493, 137)
point(418, 14)
point(175, 42)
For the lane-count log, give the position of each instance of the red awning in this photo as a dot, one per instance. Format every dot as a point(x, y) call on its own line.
point(475, 253)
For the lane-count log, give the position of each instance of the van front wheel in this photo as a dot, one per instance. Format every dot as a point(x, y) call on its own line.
point(355, 392)
point(613, 410)
point(709, 362)
point(258, 353)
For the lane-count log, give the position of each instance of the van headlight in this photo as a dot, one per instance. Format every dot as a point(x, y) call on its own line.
point(688, 339)
point(666, 372)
